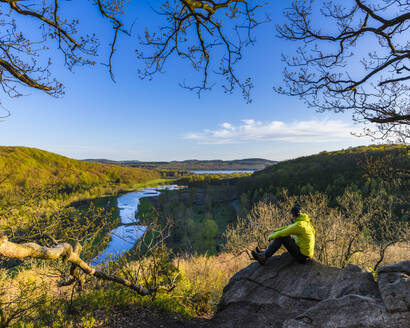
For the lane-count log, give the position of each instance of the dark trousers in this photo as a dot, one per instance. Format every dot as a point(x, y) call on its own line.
point(290, 245)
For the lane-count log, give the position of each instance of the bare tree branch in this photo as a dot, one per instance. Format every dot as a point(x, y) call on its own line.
point(66, 252)
point(197, 31)
point(328, 74)
point(26, 61)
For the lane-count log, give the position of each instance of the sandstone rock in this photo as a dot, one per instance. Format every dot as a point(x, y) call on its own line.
point(394, 286)
point(283, 293)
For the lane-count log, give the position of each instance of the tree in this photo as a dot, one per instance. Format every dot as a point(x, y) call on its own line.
point(358, 230)
point(194, 30)
point(329, 71)
point(23, 58)
point(197, 32)
point(205, 237)
point(359, 62)
point(67, 239)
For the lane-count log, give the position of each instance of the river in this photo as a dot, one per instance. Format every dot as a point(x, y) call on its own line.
point(124, 237)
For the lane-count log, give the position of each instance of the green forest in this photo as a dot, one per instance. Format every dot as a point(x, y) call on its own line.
point(190, 165)
point(367, 169)
point(23, 168)
point(200, 216)
point(197, 237)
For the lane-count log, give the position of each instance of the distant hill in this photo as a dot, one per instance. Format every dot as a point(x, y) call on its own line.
point(23, 166)
point(254, 164)
point(331, 172)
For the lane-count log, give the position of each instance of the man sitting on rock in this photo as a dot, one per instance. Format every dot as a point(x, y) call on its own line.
point(301, 246)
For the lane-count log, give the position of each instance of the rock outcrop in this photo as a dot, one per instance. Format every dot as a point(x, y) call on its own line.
point(394, 286)
point(283, 293)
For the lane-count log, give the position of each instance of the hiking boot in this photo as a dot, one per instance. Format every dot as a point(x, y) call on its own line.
point(259, 256)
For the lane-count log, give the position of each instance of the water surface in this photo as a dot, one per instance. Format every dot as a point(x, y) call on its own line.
point(124, 237)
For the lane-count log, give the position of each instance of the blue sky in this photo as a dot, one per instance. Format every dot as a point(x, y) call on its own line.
point(135, 119)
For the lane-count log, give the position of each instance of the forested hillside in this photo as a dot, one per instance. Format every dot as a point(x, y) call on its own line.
point(22, 167)
point(189, 165)
point(200, 216)
point(196, 237)
point(365, 168)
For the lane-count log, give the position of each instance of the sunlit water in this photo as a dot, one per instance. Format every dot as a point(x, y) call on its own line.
point(124, 237)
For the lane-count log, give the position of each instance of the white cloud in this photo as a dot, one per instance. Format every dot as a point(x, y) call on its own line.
point(298, 131)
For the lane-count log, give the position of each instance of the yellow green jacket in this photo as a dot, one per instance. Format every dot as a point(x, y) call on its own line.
point(302, 231)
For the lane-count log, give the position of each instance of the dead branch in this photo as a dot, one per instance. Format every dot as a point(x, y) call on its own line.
point(67, 253)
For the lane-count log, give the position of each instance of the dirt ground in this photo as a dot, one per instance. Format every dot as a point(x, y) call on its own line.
point(140, 317)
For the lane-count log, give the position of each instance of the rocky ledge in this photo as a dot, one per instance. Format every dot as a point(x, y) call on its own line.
point(283, 293)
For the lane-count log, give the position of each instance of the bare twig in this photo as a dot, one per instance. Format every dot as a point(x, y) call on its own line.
point(66, 252)
point(197, 32)
point(328, 74)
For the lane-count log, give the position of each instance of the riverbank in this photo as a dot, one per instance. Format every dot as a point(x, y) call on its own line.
point(127, 233)
point(109, 205)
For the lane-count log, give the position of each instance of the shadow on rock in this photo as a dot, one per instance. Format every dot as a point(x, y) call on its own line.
point(283, 293)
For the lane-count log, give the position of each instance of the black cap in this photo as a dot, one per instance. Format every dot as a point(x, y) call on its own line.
point(295, 210)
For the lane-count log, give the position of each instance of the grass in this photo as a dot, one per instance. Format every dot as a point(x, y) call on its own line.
point(198, 291)
point(203, 279)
